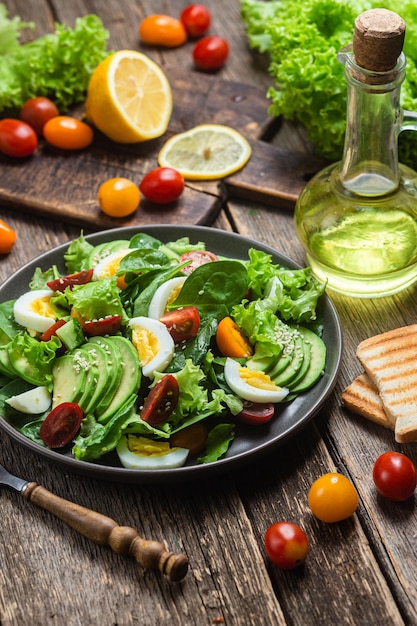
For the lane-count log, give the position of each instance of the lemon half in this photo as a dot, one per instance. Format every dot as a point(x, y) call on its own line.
point(206, 152)
point(129, 98)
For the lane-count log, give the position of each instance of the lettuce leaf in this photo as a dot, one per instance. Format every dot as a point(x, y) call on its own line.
point(57, 65)
point(308, 80)
point(96, 299)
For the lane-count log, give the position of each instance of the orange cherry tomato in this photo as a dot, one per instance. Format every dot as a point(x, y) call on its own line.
point(7, 238)
point(192, 437)
point(118, 197)
point(332, 498)
point(231, 341)
point(162, 30)
point(67, 133)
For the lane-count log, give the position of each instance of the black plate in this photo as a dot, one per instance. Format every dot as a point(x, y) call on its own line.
point(249, 443)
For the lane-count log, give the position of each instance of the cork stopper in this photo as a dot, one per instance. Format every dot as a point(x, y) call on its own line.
point(378, 39)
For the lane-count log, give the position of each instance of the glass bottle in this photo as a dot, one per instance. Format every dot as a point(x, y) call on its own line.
point(357, 219)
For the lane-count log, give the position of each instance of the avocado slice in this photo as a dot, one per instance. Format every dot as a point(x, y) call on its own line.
point(317, 361)
point(83, 357)
point(113, 370)
point(284, 378)
point(104, 369)
point(131, 377)
point(68, 380)
point(102, 250)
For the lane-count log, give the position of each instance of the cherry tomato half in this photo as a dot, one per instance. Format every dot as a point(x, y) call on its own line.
point(395, 476)
point(161, 401)
point(192, 437)
point(210, 53)
point(61, 425)
point(162, 185)
point(51, 332)
point(37, 111)
point(183, 323)
point(286, 545)
point(108, 325)
point(162, 30)
point(17, 139)
point(196, 19)
point(231, 341)
point(196, 258)
point(118, 197)
point(67, 133)
point(256, 413)
point(332, 498)
point(79, 278)
point(7, 238)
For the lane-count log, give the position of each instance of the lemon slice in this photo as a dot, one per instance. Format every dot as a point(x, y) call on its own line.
point(129, 98)
point(206, 152)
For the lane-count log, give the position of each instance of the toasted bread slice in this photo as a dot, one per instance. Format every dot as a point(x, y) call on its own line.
point(389, 359)
point(406, 429)
point(362, 397)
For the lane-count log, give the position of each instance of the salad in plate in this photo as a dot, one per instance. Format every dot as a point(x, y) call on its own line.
point(156, 350)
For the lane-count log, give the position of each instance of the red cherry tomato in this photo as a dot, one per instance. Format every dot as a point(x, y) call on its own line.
point(196, 19)
point(286, 545)
point(196, 258)
point(67, 133)
point(37, 111)
point(210, 53)
point(256, 413)
point(162, 185)
point(161, 401)
point(183, 323)
point(108, 325)
point(162, 30)
point(17, 139)
point(79, 278)
point(395, 476)
point(61, 425)
point(51, 332)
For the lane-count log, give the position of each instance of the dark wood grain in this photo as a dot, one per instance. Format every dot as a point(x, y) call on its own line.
point(360, 572)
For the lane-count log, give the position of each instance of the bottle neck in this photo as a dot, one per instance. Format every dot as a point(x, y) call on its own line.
point(370, 158)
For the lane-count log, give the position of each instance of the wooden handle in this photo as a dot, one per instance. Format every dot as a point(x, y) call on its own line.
point(105, 531)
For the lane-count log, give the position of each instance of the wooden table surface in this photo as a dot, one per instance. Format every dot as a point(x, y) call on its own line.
point(360, 571)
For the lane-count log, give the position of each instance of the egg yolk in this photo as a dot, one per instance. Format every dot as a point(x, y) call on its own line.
point(173, 295)
point(146, 343)
point(147, 447)
point(42, 306)
point(257, 379)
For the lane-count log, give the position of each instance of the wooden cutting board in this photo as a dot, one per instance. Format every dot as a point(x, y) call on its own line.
point(63, 185)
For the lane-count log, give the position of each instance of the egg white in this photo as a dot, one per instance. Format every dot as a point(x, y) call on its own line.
point(153, 343)
point(33, 310)
point(259, 389)
point(109, 266)
point(166, 293)
point(32, 402)
point(145, 454)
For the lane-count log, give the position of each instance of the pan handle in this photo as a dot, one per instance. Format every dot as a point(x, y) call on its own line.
point(105, 531)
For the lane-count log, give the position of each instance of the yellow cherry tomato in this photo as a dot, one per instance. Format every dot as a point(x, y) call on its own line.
point(67, 133)
point(332, 498)
point(162, 30)
point(231, 341)
point(7, 238)
point(118, 197)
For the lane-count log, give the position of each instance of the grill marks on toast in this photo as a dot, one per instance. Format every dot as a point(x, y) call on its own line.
point(386, 392)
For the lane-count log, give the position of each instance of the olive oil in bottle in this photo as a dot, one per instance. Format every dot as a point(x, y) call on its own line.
point(357, 219)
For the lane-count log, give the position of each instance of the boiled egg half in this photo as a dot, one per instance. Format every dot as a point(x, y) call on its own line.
point(109, 266)
point(33, 310)
point(254, 386)
point(153, 343)
point(164, 295)
point(145, 454)
point(33, 402)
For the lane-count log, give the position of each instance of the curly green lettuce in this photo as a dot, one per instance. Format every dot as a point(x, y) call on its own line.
point(57, 65)
point(302, 45)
